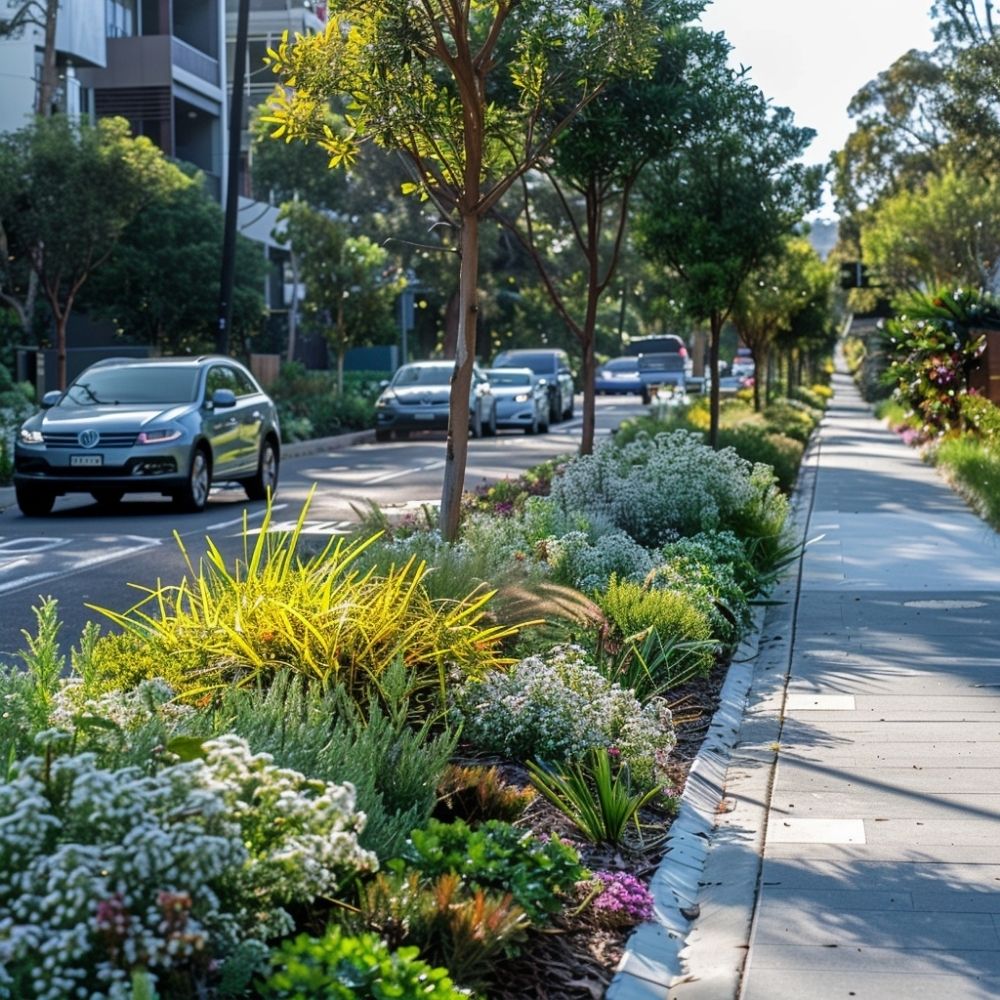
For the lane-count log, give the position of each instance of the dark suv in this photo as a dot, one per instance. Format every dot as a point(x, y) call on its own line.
point(553, 366)
point(165, 425)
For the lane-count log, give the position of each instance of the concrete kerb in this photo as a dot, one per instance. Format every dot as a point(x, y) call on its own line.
point(293, 449)
point(706, 886)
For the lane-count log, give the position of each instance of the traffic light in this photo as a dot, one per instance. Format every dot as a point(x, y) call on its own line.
point(854, 274)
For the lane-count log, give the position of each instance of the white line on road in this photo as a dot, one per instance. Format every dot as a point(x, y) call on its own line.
point(239, 520)
point(403, 472)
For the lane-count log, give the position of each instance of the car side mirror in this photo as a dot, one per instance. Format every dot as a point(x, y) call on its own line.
point(50, 399)
point(223, 398)
point(383, 383)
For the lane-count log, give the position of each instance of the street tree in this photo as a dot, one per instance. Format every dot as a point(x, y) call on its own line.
point(350, 286)
point(720, 206)
point(70, 192)
point(467, 93)
point(160, 285)
point(592, 172)
point(770, 299)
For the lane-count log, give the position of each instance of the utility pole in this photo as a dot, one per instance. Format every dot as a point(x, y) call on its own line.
point(232, 181)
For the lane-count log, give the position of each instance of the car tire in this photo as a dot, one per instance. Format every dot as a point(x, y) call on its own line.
point(490, 428)
point(572, 403)
point(476, 425)
point(193, 496)
point(108, 497)
point(34, 501)
point(381, 435)
point(264, 482)
point(535, 424)
point(402, 435)
point(646, 397)
point(555, 408)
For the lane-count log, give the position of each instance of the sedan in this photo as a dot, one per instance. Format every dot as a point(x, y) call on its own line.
point(522, 399)
point(138, 425)
point(619, 376)
point(418, 398)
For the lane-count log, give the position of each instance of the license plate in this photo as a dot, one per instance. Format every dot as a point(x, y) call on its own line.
point(424, 416)
point(86, 460)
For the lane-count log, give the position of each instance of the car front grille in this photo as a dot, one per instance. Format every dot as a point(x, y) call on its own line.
point(107, 439)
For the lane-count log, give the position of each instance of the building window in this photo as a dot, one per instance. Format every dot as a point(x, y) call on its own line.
point(121, 18)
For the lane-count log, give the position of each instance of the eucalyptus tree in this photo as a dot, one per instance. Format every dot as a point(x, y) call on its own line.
point(593, 170)
point(719, 207)
point(472, 94)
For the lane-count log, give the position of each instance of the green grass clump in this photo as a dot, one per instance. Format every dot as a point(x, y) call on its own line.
point(755, 444)
point(974, 468)
point(671, 614)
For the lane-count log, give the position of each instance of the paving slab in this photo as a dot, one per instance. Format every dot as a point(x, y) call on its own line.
point(778, 984)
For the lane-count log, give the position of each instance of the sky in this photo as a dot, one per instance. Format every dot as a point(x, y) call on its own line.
point(814, 55)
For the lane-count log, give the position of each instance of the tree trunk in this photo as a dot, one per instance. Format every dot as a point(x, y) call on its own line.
point(715, 337)
point(341, 347)
point(452, 321)
point(587, 339)
point(50, 80)
point(758, 368)
point(61, 321)
point(461, 381)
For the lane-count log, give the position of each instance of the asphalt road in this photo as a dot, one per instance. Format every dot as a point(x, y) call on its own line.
point(83, 554)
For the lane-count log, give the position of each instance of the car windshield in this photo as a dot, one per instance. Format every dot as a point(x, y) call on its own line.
point(622, 365)
point(133, 385)
point(539, 363)
point(508, 378)
point(423, 375)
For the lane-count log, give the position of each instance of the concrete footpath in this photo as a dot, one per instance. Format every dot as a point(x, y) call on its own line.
point(855, 846)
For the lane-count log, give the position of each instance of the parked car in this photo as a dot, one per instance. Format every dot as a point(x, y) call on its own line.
point(417, 398)
point(139, 425)
point(662, 361)
point(522, 399)
point(619, 376)
point(553, 366)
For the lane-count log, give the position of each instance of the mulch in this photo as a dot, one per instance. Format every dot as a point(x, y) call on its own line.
point(575, 957)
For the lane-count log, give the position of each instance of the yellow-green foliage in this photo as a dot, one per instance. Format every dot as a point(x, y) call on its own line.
point(974, 467)
point(672, 614)
point(316, 615)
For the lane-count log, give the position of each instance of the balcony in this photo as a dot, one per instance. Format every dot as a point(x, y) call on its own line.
point(194, 61)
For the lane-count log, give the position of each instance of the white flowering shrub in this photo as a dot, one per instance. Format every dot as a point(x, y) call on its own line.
point(658, 488)
point(106, 873)
point(558, 706)
point(587, 564)
point(151, 699)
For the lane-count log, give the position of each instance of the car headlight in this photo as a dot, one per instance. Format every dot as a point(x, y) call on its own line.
point(162, 435)
point(385, 399)
point(28, 435)
point(522, 398)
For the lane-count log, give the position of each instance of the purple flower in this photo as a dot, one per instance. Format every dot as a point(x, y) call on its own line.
point(623, 899)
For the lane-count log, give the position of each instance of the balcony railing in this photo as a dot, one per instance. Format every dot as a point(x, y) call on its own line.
point(194, 61)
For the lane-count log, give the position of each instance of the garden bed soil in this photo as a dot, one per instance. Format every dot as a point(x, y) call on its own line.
point(575, 958)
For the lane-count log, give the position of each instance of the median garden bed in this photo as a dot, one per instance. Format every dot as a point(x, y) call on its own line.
point(391, 767)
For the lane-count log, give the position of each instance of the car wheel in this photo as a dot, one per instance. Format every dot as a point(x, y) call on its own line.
point(490, 430)
point(646, 398)
point(108, 498)
point(532, 428)
point(476, 427)
point(402, 435)
point(555, 408)
point(382, 435)
point(34, 501)
point(193, 496)
point(572, 403)
point(265, 481)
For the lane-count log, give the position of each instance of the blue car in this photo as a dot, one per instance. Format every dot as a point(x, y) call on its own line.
point(619, 376)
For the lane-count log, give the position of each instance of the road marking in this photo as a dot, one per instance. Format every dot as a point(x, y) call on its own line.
point(310, 527)
point(71, 567)
point(385, 477)
point(29, 546)
point(239, 520)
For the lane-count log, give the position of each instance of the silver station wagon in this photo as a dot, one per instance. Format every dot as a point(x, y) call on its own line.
point(165, 425)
